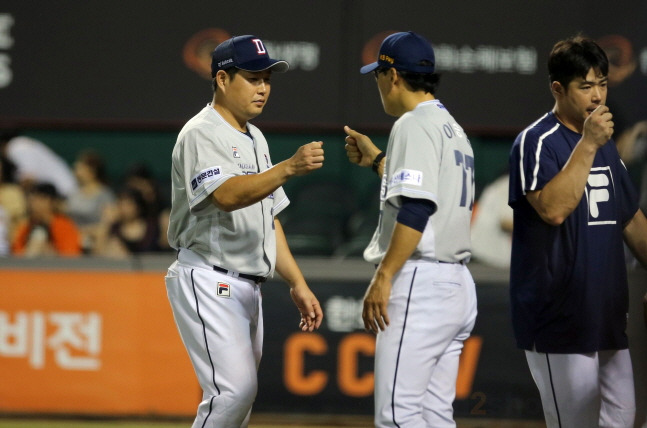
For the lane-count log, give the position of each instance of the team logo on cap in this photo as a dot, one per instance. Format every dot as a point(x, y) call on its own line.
point(260, 47)
point(223, 290)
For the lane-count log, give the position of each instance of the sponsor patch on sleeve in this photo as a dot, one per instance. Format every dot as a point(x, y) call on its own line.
point(205, 176)
point(407, 176)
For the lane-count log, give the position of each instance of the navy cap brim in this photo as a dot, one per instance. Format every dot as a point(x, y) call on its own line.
point(278, 66)
point(368, 68)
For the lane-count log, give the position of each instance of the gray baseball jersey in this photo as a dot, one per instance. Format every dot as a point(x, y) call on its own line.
point(428, 157)
point(208, 152)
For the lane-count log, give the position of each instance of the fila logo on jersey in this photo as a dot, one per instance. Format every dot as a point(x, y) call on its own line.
point(204, 176)
point(235, 151)
point(600, 191)
point(223, 290)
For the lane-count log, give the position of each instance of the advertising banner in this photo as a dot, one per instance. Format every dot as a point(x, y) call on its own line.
point(100, 342)
point(94, 63)
point(91, 343)
point(105, 343)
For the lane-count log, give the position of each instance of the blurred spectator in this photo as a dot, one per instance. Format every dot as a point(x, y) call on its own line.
point(46, 232)
point(37, 163)
point(141, 178)
point(5, 244)
point(12, 199)
point(492, 225)
point(626, 101)
point(86, 206)
point(632, 146)
point(629, 109)
point(126, 229)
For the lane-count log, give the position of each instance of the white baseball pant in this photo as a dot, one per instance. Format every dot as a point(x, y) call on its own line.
point(432, 310)
point(585, 390)
point(220, 321)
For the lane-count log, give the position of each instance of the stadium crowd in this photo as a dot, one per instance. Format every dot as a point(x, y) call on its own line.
point(50, 208)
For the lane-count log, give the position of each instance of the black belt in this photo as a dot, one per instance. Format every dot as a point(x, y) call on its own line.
point(255, 278)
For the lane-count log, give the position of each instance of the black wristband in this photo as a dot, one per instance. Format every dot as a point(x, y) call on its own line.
point(377, 160)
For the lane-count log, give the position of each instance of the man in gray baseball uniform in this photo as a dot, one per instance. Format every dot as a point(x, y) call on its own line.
point(421, 302)
point(225, 198)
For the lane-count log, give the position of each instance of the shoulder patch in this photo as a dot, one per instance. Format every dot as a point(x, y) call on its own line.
point(205, 176)
point(406, 176)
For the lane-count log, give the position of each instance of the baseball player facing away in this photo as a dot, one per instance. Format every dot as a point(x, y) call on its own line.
point(421, 302)
point(226, 194)
point(573, 204)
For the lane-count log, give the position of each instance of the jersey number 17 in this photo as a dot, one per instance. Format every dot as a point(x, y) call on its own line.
point(466, 162)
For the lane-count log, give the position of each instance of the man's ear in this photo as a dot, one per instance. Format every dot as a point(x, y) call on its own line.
point(393, 74)
point(557, 89)
point(221, 79)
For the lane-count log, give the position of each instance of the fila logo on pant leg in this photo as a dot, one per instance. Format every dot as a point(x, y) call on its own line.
point(223, 290)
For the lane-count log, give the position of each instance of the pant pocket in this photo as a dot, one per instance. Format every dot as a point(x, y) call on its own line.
point(447, 284)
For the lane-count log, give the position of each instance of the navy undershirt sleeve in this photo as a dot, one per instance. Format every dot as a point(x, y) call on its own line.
point(415, 212)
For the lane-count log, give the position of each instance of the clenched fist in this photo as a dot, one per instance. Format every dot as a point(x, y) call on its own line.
point(598, 127)
point(307, 158)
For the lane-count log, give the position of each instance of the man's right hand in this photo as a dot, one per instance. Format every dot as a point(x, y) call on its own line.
point(359, 148)
point(307, 158)
point(598, 127)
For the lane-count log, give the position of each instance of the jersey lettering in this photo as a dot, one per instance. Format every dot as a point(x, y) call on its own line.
point(466, 162)
point(453, 129)
point(448, 130)
point(457, 130)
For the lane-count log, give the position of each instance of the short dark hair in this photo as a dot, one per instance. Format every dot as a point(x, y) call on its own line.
point(8, 170)
point(230, 71)
point(427, 82)
point(96, 163)
point(9, 134)
point(137, 198)
point(574, 57)
point(47, 190)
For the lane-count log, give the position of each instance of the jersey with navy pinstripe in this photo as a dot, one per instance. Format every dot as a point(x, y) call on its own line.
point(428, 157)
point(208, 152)
point(568, 283)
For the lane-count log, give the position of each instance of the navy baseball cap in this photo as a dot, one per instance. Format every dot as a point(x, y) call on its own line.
point(245, 53)
point(406, 51)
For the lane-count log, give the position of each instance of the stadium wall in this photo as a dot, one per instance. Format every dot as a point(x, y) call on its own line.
point(96, 337)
